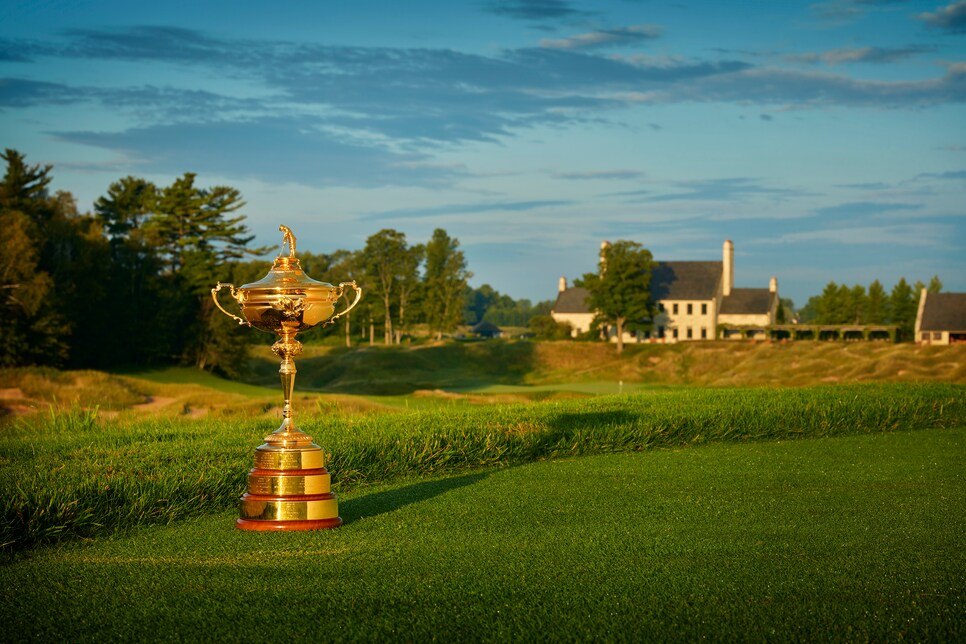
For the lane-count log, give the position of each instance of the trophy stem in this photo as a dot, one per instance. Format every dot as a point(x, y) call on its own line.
point(287, 347)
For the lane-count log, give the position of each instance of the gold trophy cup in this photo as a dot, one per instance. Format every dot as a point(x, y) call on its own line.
point(289, 487)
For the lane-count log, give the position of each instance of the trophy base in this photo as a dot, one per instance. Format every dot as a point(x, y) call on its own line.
point(288, 489)
point(272, 526)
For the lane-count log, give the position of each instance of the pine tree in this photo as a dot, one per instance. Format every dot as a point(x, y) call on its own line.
point(903, 305)
point(878, 304)
point(35, 329)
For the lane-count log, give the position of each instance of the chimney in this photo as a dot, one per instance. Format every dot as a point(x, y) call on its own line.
point(728, 268)
point(773, 284)
point(562, 286)
point(604, 246)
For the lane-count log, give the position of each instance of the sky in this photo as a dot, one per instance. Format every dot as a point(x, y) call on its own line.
point(826, 139)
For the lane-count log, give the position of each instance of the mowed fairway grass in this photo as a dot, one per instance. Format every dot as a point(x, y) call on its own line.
point(816, 513)
point(841, 538)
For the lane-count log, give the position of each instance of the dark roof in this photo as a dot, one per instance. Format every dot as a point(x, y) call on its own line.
point(685, 280)
point(747, 301)
point(944, 312)
point(486, 327)
point(572, 300)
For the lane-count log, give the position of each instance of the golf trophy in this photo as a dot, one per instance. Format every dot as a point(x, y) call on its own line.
point(289, 487)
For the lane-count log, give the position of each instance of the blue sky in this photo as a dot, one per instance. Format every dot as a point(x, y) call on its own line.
point(826, 139)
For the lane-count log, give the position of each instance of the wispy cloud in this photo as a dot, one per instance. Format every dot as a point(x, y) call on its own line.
point(593, 175)
point(951, 18)
point(606, 38)
point(722, 190)
point(837, 12)
point(394, 108)
point(532, 10)
point(275, 150)
point(901, 235)
point(466, 209)
point(954, 175)
point(863, 209)
point(878, 55)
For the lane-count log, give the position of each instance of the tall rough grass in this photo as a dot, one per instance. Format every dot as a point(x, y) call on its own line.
point(69, 476)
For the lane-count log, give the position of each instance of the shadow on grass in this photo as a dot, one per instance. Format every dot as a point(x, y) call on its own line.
point(381, 502)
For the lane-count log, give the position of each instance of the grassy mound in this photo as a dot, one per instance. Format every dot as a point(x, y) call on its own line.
point(67, 475)
point(452, 366)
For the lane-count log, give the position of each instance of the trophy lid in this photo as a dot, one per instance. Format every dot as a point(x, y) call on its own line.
point(286, 273)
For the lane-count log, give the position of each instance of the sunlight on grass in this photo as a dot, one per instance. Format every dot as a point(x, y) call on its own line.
point(854, 538)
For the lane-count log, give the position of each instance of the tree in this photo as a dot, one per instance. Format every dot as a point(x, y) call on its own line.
point(445, 283)
point(127, 203)
point(34, 329)
point(903, 306)
point(197, 240)
point(620, 292)
point(545, 327)
point(386, 264)
point(877, 307)
point(408, 286)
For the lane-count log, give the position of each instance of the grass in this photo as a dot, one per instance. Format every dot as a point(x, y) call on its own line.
point(66, 476)
point(476, 366)
point(851, 538)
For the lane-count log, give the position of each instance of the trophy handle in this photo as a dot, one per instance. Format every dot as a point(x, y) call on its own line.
point(234, 294)
point(351, 306)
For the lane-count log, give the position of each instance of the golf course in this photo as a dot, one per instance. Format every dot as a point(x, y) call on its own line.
point(501, 491)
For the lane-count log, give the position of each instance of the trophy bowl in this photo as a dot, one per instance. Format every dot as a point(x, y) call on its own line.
point(289, 487)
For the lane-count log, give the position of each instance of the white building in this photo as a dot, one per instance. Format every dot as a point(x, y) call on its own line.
point(693, 299)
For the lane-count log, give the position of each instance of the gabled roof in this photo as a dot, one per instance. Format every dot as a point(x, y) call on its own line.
point(747, 301)
point(944, 312)
point(572, 300)
point(685, 280)
point(486, 327)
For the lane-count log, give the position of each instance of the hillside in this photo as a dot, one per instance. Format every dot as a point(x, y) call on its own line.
point(382, 370)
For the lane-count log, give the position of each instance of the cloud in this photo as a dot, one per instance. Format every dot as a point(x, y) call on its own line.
point(465, 209)
point(838, 12)
point(275, 150)
point(954, 175)
point(878, 55)
point(532, 10)
point(600, 174)
point(396, 107)
point(901, 235)
point(862, 209)
point(721, 190)
point(951, 18)
point(606, 38)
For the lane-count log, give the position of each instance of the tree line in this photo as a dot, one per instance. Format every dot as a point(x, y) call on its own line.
point(842, 304)
point(130, 282)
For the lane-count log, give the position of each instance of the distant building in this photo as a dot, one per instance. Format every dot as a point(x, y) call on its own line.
point(941, 318)
point(487, 330)
point(693, 299)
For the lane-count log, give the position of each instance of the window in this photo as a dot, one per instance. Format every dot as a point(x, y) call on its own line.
point(704, 333)
point(690, 309)
point(937, 335)
point(660, 331)
point(690, 334)
point(925, 335)
point(674, 334)
point(660, 307)
point(675, 308)
point(704, 309)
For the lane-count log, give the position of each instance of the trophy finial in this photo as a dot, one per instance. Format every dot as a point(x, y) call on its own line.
point(288, 238)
